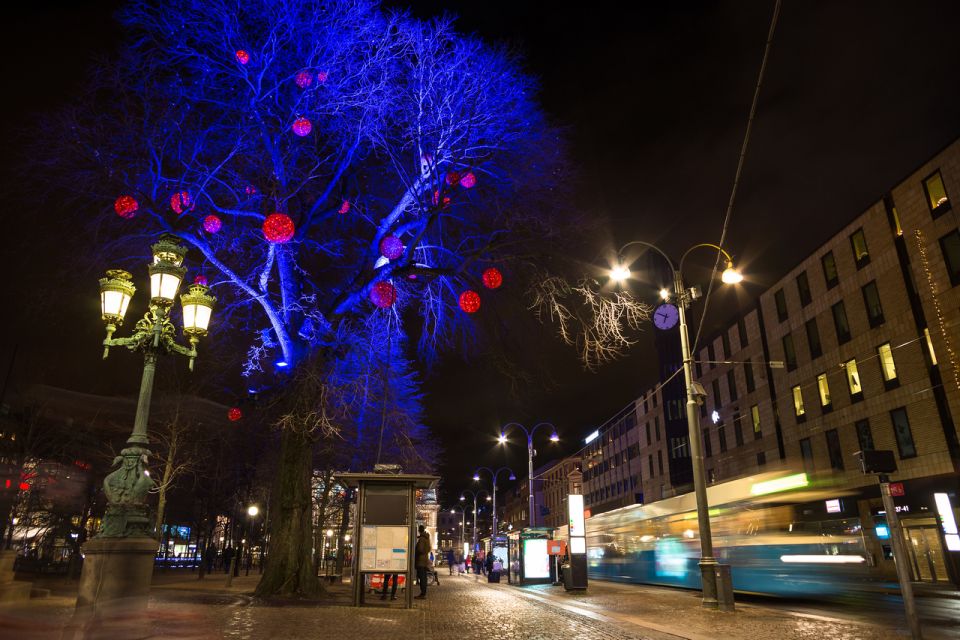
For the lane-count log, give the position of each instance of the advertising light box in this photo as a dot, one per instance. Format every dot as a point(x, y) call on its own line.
point(536, 562)
point(578, 545)
point(575, 506)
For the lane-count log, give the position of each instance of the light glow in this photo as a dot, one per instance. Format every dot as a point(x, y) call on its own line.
point(946, 513)
point(824, 559)
point(554, 437)
point(665, 294)
point(593, 436)
point(795, 481)
point(164, 286)
point(253, 510)
point(731, 275)
point(619, 273)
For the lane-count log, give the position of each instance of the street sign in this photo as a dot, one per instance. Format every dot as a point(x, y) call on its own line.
point(556, 547)
point(896, 489)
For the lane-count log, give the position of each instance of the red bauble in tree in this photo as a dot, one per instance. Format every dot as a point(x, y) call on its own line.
point(453, 178)
point(126, 206)
point(181, 202)
point(436, 200)
point(383, 294)
point(470, 301)
point(344, 207)
point(391, 247)
point(211, 224)
point(24, 486)
point(242, 56)
point(492, 278)
point(234, 414)
point(200, 279)
point(278, 228)
point(322, 76)
point(303, 79)
point(250, 190)
point(468, 180)
point(302, 127)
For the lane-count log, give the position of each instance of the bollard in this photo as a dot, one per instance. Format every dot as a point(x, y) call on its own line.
point(724, 588)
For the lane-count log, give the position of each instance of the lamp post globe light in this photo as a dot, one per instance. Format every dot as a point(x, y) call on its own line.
point(463, 518)
point(475, 495)
point(494, 476)
point(119, 560)
point(684, 296)
point(502, 439)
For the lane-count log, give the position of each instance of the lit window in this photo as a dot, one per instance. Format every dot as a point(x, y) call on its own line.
point(824, 387)
point(755, 416)
point(853, 378)
point(858, 242)
point(936, 194)
point(798, 409)
point(887, 366)
point(830, 274)
point(933, 354)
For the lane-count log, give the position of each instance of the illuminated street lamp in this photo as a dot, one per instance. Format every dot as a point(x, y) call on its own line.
point(463, 518)
point(494, 475)
point(253, 510)
point(554, 437)
point(684, 297)
point(475, 495)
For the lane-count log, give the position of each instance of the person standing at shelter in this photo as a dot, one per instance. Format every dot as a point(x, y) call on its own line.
point(421, 561)
point(386, 580)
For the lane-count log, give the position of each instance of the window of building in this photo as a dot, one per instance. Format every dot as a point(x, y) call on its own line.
point(893, 217)
point(656, 427)
point(725, 343)
point(742, 332)
point(703, 410)
point(707, 446)
point(781, 301)
point(871, 300)
point(761, 459)
point(830, 274)
point(722, 437)
point(813, 338)
point(824, 388)
point(798, 409)
point(840, 322)
point(806, 453)
point(737, 429)
point(834, 450)
point(715, 387)
point(937, 198)
point(864, 436)
point(748, 375)
point(660, 462)
point(711, 356)
point(933, 354)
point(950, 246)
point(858, 242)
point(901, 429)
point(755, 417)
point(649, 440)
point(887, 366)
point(650, 462)
point(853, 380)
point(699, 369)
point(789, 352)
point(803, 288)
point(732, 384)
point(654, 398)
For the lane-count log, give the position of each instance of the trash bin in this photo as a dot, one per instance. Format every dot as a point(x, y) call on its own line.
point(567, 573)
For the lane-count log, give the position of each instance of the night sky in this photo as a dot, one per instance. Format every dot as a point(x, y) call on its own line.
point(654, 99)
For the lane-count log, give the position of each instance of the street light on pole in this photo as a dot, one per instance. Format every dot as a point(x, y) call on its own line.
point(684, 296)
point(476, 495)
point(463, 519)
point(494, 475)
point(530, 453)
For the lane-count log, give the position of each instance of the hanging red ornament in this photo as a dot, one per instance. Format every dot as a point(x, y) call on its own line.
point(278, 228)
point(250, 190)
point(321, 77)
point(468, 180)
point(453, 178)
point(303, 79)
point(200, 279)
point(391, 247)
point(436, 199)
point(470, 301)
point(344, 207)
point(383, 294)
point(234, 414)
point(181, 202)
point(24, 486)
point(126, 206)
point(211, 224)
point(302, 127)
point(492, 278)
point(242, 56)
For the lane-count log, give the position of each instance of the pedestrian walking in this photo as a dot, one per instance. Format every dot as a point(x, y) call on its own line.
point(421, 561)
point(227, 557)
point(209, 557)
point(451, 557)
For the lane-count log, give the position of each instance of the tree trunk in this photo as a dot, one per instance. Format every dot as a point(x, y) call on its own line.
point(165, 481)
point(289, 570)
point(318, 537)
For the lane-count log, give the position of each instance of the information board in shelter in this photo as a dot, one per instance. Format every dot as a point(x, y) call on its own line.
point(384, 548)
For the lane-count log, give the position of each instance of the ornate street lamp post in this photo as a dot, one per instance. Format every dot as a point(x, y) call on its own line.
point(493, 476)
point(119, 560)
point(684, 296)
point(530, 453)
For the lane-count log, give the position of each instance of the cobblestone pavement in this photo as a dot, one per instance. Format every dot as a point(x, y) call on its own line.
point(460, 608)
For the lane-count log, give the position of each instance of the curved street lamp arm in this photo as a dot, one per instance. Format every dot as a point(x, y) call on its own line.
point(649, 246)
point(719, 249)
point(514, 425)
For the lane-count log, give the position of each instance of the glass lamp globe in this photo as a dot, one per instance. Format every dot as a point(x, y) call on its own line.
point(166, 270)
point(731, 275)
point(116, 290)
point(197, 309)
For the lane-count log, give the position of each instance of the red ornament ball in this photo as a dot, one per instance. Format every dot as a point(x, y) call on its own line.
point(200, 279)
point(278, 228)
point(181, 202)
point(303, 79)
point(126, 206)
point(437, 201)
point(234, 414)
point(211, 224)
point(391, 247)
point(468, 180)
point(383, 294)
point(250, 190)
point(24, 486)
point(492, 278)
point(453, 178)
point(302, 127)
point(321, 77)
point(470, 301)
point(242, 56)
point(344, 207)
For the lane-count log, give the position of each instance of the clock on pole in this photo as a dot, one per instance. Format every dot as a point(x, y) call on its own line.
point(665, 316)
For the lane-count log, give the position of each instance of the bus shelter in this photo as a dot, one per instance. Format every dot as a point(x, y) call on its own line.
point(530, 561)
point(385, 527)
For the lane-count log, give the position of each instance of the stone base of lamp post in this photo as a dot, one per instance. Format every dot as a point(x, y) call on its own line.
point(114, 586)
point(11, 590)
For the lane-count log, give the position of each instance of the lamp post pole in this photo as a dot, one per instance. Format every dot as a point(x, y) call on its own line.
point(493, 475)
point(530, 453)
point(708, 563)
point(476, 496)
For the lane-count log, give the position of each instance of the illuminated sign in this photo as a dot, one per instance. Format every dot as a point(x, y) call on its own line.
point(715, 416)
point(883, 532)
point(578, 545)
point(824, 559)
point(575, 509)
point(833, 506)
point(590, 438)
point(536, 562)
point(796, 481)
point(945, 510)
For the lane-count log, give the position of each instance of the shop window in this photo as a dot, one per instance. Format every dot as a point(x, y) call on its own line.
point(834, 450)
point(803, 288)
point(742, 332)
point(858, 242)
point(781, 301)
point(887, 366)
point(732, 384)
point(936, 193)
point(871, 300)
point(840, 322)
point(813, 338)
point(864, 435)
point(901, 430)
point(798, 409)
point(824, 388)
point(755, 417)
point(830, 275)
point(853, 380)
point(748, 375)
point(789, 352)
point(950, 246)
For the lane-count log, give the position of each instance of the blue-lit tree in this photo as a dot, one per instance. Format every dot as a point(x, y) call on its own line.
point(347, 176)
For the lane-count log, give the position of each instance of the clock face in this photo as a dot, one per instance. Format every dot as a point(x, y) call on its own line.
point(665, 316)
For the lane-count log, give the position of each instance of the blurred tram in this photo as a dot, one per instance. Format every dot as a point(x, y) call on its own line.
point(758, 528)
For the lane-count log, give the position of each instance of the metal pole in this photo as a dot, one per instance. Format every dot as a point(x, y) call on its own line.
point(495, 530)
point(139, 435)
point(531, 519)
point(900, 559)
point(474, 522)
point(707, 562)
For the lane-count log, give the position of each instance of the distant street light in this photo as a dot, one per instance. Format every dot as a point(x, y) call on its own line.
point(494, 475)
point(253, 510)
point(530, 453)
